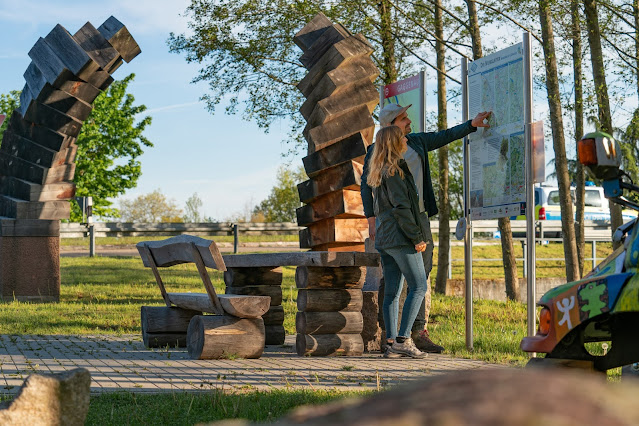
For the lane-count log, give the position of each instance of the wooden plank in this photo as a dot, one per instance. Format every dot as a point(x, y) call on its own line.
point(68, 83)
point(347, 175)
point(358, 71)
point(48, 63)
point(340, 54)
point(22, 169)
point(28, 150)
point(74, 58)
point(20, 209)
point(334, 231)
point(339, 247)
point(206, 280)
point(353, 148)
point(333, 34)
point(58, 100)
point(29, 191)
point(318, 277)
point(151, 261)
point(363, 93)
point(235, 305)
point(339, 204)
point(119, 37)
point(356, 120)
point(176, 250)
point(29, 228)
point(96, 46)
point(264, 260)
point(38, 134)
point(44, 115)
point(312, 31)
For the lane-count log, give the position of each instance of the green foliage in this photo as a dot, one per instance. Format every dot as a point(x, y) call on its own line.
point(284, 199)
point(8, 103)
point(150, 208)
point(108, 149)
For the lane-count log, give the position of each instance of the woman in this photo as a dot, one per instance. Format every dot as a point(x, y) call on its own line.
point(399, 238)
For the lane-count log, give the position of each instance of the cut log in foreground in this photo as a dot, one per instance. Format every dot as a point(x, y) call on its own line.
point(329, 345)
point(223, 336)
point(162, 326)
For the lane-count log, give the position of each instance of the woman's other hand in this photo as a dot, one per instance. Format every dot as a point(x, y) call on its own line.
point(420, 247)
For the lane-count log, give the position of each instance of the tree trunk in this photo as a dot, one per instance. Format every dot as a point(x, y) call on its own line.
point(561, 164)
point(443, 259)
point(508, 252)
point(389, 66)
point(601, 89)
point(580, 192)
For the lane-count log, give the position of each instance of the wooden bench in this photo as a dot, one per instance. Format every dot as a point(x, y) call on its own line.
point(236, 327)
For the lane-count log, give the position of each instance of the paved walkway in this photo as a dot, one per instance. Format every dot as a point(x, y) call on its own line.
point(123, 363)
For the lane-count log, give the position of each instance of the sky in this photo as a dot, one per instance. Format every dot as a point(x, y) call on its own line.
point(230, 163)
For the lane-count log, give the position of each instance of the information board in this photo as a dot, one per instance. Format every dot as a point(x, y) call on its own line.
point(405, 92)
point(497, 154)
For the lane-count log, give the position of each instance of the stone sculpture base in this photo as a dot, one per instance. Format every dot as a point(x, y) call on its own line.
point(30, 260)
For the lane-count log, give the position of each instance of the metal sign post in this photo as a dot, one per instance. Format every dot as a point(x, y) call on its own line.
point(530, 190)
point(468, 235)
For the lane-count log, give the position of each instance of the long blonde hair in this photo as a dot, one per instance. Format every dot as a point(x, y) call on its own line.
point(388, 151)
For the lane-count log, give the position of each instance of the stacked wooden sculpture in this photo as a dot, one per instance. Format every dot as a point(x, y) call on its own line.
point(250, 280)
point(340, 97)
point(38, 148)
point(329, 302)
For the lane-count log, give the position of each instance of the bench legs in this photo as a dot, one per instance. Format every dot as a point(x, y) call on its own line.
point(224, 336)
point(162, 326)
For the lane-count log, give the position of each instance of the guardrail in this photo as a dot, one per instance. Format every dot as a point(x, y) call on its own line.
point(548, 229)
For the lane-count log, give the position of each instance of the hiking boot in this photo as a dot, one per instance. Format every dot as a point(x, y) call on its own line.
point(388, 353)
point(407, 348)
point(424, 344)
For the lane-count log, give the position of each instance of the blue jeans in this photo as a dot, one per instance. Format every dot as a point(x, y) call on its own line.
point(397, 262)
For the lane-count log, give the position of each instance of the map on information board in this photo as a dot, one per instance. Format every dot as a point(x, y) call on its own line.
point(497, 165)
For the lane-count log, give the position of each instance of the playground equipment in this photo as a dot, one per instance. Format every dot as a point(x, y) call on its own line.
point(604, 306)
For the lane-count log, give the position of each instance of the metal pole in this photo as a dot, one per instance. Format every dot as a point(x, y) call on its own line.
point(468, 237)
point(450, 261)
point(594, 254)
point(422, 101)
point(91, 240)
point(235, 238)
point(523, 248)
point(530, 190)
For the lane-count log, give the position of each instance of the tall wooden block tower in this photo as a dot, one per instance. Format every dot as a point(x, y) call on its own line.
point(340, 98)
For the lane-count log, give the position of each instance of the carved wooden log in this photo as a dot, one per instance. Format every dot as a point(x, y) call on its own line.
point(274, 316)
point(20, 209)
point(67, 82)
point(340, 247)
point(234, 305)
point(119, 37)
point(309, 258)
point(237, 277)
point(43, 115)
point(305, 38)
point(163, 326)
point(332, 35)
point(23, 190)
point(275, 292)
point(317, 277)
point(329, 322)
point(97, 47)
point(330, 300)
point(220, 336)
point(176, 250)
point(58, 100)
point(329, 345)
point(38, 134)
point(334, 231)
point(275, 335)
point(362, 93)
point(347, 175)
point(74, 58)
point(35, 153)
point(356, 120)
point(353, 148)
point(340, 204)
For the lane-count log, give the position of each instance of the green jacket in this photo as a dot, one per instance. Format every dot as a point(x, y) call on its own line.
point(396, 207)
point(422, 143)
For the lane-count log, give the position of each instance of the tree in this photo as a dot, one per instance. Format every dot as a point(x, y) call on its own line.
point(150, 208)
point(283, 200)
point(192, 209)
point(109, 145)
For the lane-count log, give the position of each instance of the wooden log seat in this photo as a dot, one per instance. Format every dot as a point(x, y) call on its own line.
point(224, 336)
point(162, 326)
point(329, 300)
point(236, 328)
point(329, 322)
